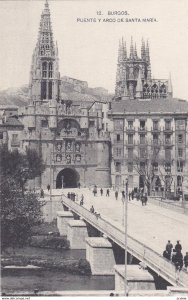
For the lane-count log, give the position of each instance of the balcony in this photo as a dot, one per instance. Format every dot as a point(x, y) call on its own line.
point(168, 130)
point(156, 129)
point(130, 130)
point(15, 143)
point(142, 130)
point(168, 143)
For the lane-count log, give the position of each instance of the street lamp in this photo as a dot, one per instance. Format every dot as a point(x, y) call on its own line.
point(125, 225)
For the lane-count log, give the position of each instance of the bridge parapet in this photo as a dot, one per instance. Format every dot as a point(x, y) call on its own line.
point(152, 259)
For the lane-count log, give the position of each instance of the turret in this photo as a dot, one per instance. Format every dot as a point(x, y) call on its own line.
point(170, 89)
point(139, 88)
point(84, 122)
point(131, 49)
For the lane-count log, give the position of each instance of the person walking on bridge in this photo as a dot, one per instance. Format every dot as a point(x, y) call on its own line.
point(116, 195)
point(169, 247)
point(178, 247)
point(101, 191)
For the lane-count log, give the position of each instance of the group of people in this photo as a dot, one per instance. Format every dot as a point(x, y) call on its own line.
point(95, 190)
point(175, 255)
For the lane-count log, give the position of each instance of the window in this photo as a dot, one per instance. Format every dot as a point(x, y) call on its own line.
point(155, 125)
point(142, 166)
point(118, 166)
point(91, 123)
point(180, 124)
point(142, 153)
point(142, 139)
point(118, 124)
point(130, 124)
point(102, 114)
point(180, 166)
point(180, 138)
point(102, 126)
point(44, 69)
point(155, 139)
point(167, 124)
point(142, 124)
point(167, 139)
point(118, 137)
point(14, 137)
point(167, 154)
point(155, 166)
point(50, 70)
point(1, 135)
point(167, 167)
point(43, 90)
point(130, 139)
point(118, 151)
point(130, 154)
point(44, 123)
point(50, 90)
point(106, 126)
point(180, 152)
point(130, 167)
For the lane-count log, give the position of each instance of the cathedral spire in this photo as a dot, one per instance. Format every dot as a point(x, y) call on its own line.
point(44, 81)
point(147, 52)
point(170, 89)
point(135, 52)
point(131, 49)
point(124, 50)
point(143, 53)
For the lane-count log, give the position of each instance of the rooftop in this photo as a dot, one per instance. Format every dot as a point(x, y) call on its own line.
point(150, 106)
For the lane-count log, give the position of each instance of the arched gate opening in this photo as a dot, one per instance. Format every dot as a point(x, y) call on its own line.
point(67, 178)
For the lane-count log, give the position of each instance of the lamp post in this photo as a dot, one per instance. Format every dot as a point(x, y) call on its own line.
point(125, 225)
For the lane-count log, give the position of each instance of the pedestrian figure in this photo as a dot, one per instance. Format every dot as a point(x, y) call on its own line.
point(107, 192)
point(73, 196)
point(178, 260)
point(95, 190)
point(92, 210)
point(132, 194)
point(166, 254)
point(169, 247)
point(185, 259)
point(116, 194)
point(101, 191)
point(81, 202)
point(79, 185)
point(178, 247)
point(144, 199)
point(129, 196)
point(42, 193)
point(48, 187)
point(123, 195)
point(82, 197)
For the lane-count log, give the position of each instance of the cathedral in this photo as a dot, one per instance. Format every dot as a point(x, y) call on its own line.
point(69, 135)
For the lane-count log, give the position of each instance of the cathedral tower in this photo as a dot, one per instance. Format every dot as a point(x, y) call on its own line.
point(44, 75)
point(133, 77)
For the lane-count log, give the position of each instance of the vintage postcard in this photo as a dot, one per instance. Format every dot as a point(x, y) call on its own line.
point(94, 148)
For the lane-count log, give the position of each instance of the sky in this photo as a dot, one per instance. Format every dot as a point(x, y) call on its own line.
point(88, 50)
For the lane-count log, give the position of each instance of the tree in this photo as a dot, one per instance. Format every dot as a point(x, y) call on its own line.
point(19, 213)
point(21, 166)
point(20, 209)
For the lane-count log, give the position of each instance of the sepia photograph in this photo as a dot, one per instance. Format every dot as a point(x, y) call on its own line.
point(94, 148)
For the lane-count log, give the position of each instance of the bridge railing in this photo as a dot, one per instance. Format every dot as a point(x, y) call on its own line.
point(154, 260)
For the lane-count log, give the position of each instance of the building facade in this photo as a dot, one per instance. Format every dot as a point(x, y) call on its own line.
point(149, 139)
point(69, 135)
point(140, 136)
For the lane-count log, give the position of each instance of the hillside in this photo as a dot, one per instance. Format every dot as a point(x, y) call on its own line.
point(20, 96)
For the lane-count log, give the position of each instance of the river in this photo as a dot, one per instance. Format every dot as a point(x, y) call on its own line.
point(48, 280)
